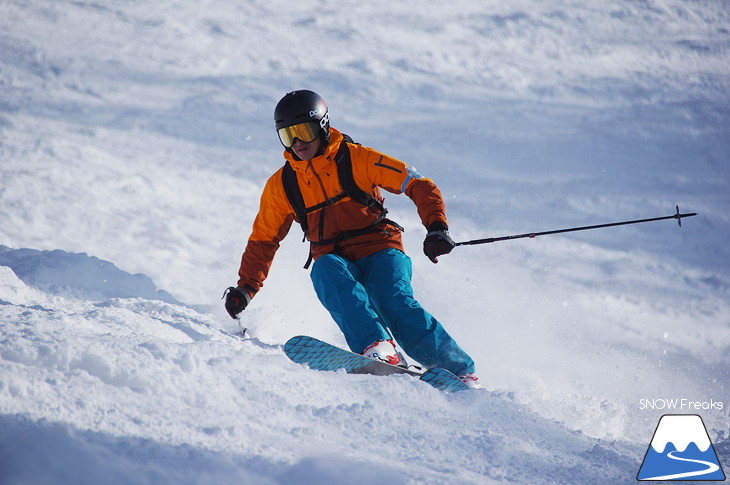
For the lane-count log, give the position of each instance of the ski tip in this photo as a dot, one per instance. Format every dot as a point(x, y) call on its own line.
point(443, 380)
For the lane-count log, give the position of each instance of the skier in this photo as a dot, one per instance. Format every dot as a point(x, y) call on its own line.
point(360, 271)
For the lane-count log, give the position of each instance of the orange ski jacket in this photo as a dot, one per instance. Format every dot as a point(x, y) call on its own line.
point(319, 182)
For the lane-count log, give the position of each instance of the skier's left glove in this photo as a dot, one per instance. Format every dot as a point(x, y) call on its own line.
point(438, 241)
point(237, 300)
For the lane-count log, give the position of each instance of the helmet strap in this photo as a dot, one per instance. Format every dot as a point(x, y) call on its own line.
point(325, 136)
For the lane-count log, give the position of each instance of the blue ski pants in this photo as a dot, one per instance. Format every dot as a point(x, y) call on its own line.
point(371, 294)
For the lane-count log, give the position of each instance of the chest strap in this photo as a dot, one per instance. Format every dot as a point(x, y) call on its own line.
point(349, 189)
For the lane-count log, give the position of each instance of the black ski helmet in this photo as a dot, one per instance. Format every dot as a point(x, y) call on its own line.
point(300, 106)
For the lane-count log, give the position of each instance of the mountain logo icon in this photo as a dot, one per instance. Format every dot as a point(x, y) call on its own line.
point(681, 450)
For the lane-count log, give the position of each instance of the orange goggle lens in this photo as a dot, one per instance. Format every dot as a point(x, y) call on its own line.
point(307, 132)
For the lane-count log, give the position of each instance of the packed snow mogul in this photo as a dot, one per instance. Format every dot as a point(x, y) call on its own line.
point(361, 274)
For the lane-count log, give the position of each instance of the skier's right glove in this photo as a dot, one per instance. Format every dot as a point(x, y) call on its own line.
point(236, 300)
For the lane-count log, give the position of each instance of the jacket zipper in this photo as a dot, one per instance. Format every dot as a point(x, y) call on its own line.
point(326, 198)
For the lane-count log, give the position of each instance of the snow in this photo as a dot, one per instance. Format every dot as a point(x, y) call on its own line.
point(680, 430)
point(135, 139)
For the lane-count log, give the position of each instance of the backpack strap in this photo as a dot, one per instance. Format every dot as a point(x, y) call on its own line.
point(294, 194)
point(347, 180)
point(350, 189)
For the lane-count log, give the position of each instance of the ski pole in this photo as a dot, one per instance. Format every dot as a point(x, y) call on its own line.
point(240, 326)
point(677, 216)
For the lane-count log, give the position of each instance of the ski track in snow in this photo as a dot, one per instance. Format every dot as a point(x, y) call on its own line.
point(135, 140)
point(710, 468)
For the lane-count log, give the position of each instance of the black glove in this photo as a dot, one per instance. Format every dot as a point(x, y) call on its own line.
point(437, 241)
point(236, 301)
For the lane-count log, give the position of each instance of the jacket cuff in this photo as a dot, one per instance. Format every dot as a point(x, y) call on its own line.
point(248, 292)
point(438, 226)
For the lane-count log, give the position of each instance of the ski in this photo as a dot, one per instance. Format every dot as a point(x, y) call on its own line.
point(323, 356)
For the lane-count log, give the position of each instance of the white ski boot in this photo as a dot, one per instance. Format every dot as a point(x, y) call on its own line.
point(383, 350)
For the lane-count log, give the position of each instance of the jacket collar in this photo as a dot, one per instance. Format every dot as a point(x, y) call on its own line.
point(318, 162)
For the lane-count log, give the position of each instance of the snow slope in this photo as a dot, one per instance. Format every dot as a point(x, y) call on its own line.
point(135, 139)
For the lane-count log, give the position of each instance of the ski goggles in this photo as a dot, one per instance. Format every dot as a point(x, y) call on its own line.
point(307, 132)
